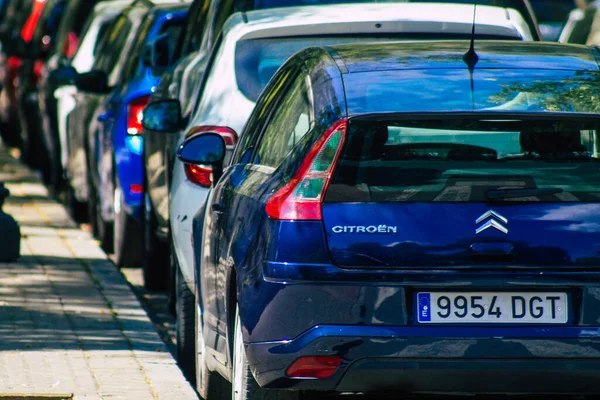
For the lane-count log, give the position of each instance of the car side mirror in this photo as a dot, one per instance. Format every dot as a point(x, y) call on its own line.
point(64, 76)
point(163, 116)
point(158, 54)
point(93, 81)
point(207, 148)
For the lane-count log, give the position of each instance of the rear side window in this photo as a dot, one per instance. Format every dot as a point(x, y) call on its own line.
point(133, 59)
point(112, 45)
point(291, 122)
point(468, 160)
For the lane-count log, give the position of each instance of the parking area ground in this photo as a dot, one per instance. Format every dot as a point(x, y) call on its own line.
point(70, 325)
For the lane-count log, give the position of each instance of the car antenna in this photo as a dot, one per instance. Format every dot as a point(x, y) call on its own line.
point(470, 58)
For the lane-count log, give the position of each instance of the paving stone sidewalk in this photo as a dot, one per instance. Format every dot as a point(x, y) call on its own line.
point(69, 323)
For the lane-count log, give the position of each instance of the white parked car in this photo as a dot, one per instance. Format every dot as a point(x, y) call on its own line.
point(104, 13)
point(252, 47)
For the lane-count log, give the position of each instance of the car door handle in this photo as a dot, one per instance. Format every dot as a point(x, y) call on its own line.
point(218, 208)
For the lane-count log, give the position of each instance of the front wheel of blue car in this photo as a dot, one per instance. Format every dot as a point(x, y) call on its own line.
point(244, 385)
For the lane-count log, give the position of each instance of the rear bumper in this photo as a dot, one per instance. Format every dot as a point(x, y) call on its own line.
point(405, 359)
point(367, 319)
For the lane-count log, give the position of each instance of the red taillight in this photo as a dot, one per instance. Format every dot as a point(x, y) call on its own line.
point(301, 197)
point(199, 175)
point(38, 66)
point(13, 65)
point(314, 367)
point(136, 188)
point(135, 112)
point(32, 21)
point(71, 45)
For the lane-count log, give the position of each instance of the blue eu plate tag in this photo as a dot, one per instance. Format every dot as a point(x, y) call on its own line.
point(424, 307)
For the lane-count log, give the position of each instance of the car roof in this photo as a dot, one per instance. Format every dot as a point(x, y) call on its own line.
point(449, 55)
point(390, 17)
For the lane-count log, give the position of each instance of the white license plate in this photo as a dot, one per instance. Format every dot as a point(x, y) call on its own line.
point(492, 308)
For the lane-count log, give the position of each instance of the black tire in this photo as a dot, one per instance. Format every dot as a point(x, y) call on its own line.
point(127, 238)
point(77, 210)
point(32, 149)
point(100, 229)
point(155, 257)
point(10, 133)
point(248, 388)
point(171, 287)
point(209, 384)
point(185, 325)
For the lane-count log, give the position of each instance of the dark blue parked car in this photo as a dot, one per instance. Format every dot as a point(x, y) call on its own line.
point(410, 217)
point(115, 141)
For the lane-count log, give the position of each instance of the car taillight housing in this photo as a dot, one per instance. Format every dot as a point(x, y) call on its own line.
point(201, 175)
point(198, 174)
point(302, 196)
point(135, 112)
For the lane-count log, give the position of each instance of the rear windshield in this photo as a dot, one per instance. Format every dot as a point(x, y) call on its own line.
point(503, 89)
point(257, 60)
point(468, 160)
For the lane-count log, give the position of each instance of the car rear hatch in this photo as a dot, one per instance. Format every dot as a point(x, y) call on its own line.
point(466, 191)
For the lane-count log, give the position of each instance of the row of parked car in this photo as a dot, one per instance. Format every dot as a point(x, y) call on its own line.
point(271, 164)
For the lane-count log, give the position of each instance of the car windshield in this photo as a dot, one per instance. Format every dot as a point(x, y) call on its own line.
point(469, 159)
point(257, 60)
point(489, 89)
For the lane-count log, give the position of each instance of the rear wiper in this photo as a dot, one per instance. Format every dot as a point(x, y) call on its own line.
point(492, 194)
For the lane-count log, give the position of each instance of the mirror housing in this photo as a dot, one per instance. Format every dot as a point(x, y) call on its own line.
point(65, 75)
point(206, 148)
point(93, 81)
point(163, 116)
point(158, 54)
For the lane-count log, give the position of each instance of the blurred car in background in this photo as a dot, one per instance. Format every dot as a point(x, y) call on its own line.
point(63, 78)
point(33, 56)
point(67, 41)
point(112, 137)
point(406, 217)
point(252, 47)
point(18, 24)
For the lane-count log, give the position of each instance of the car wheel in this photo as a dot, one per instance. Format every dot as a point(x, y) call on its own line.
point(100, 229)
point(76, 209)
point(171, 289)
point(210, 385)
point(244, 386)
point(185, 328)
point(126, 244)
point(155, 258)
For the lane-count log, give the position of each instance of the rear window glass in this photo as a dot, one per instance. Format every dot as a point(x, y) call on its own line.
point(489, 89)
point(257, 60)
point(468, 160)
